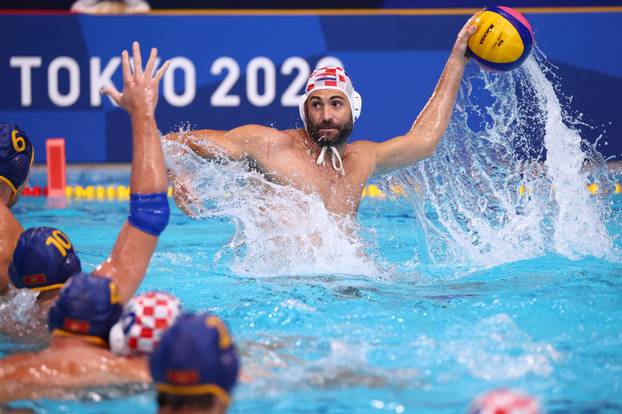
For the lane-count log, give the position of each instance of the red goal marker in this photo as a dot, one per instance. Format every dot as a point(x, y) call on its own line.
point(56, 166)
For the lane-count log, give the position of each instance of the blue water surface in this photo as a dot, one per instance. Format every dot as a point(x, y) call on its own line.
point(418, 338)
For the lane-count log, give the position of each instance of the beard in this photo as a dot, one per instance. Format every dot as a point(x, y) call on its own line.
point(343, 132)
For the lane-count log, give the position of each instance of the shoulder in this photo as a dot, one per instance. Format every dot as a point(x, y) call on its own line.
point(255, 131)
point(262, 135)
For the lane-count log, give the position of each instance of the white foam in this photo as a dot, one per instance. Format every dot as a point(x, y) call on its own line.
point(496, 349)
point(21, 319)
point(466, 196)
point(279, 230)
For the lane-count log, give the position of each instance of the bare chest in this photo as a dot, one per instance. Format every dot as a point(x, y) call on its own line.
point(341, 194)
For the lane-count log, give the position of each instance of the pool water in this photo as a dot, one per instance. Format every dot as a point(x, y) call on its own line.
point(461, 285)
point(417, 338)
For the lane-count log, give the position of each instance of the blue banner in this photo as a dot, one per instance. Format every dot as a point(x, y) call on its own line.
point(230, 70)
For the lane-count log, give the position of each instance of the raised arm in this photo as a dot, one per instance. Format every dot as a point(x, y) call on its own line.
point(10, 229)
point(428, 129)
point(149, 211)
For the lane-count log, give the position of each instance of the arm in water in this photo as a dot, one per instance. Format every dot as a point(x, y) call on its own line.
point(53, 374)
point(10, 229)
point(426, 132)
point(244, 142)
point(136, 242)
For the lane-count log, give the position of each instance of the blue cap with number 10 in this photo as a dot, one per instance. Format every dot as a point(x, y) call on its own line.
point(43, 259)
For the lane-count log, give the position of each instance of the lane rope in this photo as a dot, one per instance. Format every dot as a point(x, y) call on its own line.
point(122, 192)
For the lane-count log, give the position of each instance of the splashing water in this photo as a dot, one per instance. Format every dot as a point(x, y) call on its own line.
point(508, 130)
point(279, 230)
point(22, 320)
point(467, 195)
point(497, 342)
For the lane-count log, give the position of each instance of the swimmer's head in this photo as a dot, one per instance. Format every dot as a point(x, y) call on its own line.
point(144, 320)
point(504, 401)
point(43, 260)
point(330, 86)
point(196, 365)
point(16, 157)
point(87, 308)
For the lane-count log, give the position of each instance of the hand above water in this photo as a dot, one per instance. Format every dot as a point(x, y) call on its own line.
point(140, 89)
point(461, 44)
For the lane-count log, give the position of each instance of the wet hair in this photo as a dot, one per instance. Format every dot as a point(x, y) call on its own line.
point(178, 402)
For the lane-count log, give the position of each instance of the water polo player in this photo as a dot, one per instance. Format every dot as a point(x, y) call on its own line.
point(195, 367)
point(90, 304)
point(40, 258)
point(44, 258)
point(317, 158)
point(16, 158)
point(78, 356)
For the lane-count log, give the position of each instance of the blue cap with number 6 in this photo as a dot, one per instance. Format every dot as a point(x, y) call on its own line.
point(43, 259)
point(16, 157)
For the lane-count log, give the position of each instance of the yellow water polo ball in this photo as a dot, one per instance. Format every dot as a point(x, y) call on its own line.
point(503, 39)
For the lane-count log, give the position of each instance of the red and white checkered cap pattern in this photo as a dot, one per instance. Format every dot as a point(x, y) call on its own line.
point(331, 77)
point(154, 313)
point(505, 402)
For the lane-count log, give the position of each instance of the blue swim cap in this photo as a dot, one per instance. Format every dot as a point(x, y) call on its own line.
point(43, 259)
point(87, 307)
point(196, 356)
point(16, 157)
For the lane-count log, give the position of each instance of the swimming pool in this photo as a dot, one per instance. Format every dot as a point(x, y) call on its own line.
point(413, 337)
point(488, 272)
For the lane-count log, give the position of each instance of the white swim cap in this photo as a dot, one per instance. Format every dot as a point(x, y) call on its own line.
point(331, 77)
point(144, 320)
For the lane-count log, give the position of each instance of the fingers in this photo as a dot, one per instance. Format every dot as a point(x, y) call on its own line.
point(129, 78)
point(162, 71)
point(472, 19)
point(125, 64)
point(470, 26)
point(467, 32)
point(151, 62)
point(113, 93)
point(138, 60)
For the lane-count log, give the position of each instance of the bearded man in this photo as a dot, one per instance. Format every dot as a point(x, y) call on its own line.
point(317, 158)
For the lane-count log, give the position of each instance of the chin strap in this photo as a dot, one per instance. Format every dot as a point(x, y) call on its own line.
point(336, 159)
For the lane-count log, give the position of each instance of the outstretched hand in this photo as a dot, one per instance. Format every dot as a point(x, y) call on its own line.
point(140, 89)
point(460, 47)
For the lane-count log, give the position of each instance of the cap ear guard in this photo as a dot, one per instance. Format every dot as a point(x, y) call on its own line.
point(357, 105)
